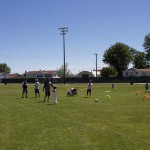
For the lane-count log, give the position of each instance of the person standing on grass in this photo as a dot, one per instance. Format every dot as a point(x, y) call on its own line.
point(36, 87)
point(146, 88)
point(24, 88)
point(113, 86)
point(89, 88)
point(46, 88)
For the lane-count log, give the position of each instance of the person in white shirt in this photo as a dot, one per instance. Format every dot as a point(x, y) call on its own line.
point(36, 87)
point(89, 88)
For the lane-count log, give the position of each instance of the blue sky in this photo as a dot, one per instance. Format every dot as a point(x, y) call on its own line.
point(30, 38)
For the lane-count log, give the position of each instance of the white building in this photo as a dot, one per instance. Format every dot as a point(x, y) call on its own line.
point(133, 72)
point(41, 74)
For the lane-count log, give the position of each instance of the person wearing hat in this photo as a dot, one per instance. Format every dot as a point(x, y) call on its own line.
point(36, 87)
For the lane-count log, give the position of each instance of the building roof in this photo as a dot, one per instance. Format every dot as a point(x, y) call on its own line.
point(142, 70)
point(42, 72)
point(16, 75)
point(85, 72)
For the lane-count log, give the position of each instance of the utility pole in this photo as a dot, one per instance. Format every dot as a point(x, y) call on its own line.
point(96, 63)
point(63, 32)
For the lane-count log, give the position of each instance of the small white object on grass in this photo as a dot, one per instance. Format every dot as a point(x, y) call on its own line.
point(96, 100)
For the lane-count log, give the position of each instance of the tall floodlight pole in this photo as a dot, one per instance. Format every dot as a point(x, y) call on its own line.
point(63, 32)
point(96, 63)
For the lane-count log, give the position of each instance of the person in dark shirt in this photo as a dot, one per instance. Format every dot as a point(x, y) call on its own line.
point(46, 88)
point(146, 88)
point(24, 88)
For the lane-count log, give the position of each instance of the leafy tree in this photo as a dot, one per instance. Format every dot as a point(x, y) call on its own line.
point(109, 72)
point(133, 53)
point(4, 68)
point(118, 56)
point(146, 45)
point(61, 71)
point(140, 61)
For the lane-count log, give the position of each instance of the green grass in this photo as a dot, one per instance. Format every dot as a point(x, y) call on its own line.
point(75, 123)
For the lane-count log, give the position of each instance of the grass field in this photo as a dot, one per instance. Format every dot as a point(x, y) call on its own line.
point(75, 123)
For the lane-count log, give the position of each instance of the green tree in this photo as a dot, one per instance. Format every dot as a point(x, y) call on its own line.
point(61, 71)
point(118, 56)
point(140, 61)
point(4, 68)
point(146, 45)
point(109, 72)
point(133, 53)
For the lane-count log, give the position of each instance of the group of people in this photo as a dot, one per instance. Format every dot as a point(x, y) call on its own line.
point(48, 84)
point(46, 88)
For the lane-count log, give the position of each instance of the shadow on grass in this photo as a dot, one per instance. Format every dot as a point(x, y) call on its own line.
point(19, 98)
point(26, 98)
point(51, 104)
point(47, 103)
point(40, 102)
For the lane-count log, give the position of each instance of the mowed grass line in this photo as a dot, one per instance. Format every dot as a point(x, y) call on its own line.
point(76, 122)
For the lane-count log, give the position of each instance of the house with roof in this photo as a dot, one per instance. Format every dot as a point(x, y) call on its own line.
point(133, 72)
point(85, 74)
point(2, 76)
point(41, 74)
point(13, 76)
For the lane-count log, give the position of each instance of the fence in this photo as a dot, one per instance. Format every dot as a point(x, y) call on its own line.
point(131, 80)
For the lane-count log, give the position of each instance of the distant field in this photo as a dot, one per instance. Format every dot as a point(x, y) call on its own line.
point(75, 123)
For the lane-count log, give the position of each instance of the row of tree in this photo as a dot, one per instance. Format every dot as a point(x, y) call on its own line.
point(119, 56)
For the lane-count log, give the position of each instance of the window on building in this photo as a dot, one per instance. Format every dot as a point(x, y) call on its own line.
point(39, 75)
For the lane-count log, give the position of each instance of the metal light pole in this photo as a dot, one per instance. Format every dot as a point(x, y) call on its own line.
point(63, 32)
point(96, 64)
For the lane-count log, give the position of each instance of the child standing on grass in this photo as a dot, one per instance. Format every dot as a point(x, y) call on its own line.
point(36, 87)
point(24, 88)
point(54, 95)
